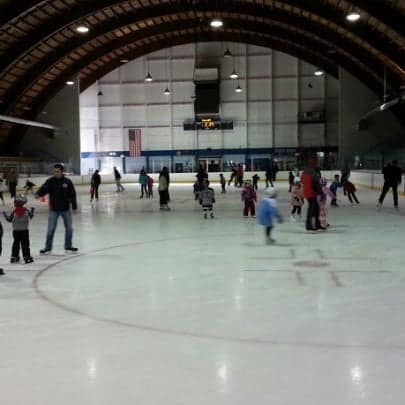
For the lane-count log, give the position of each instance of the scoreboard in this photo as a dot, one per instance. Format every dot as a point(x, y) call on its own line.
point(207, 124)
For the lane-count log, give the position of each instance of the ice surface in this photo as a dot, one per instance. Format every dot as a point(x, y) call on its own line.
point(169, 308)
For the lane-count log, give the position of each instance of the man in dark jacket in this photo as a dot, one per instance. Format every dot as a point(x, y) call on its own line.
point(62, 195)
point(392, 179)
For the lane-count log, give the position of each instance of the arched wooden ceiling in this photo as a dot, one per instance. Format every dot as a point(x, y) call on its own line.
point(40, 48)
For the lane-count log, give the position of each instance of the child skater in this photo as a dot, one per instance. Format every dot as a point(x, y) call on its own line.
point(29, 186)
point(207, 198)
point(297, 200)
point(333, 189)
point(291, 181)
point(150, 187)
point(255, 180)
point(223, 183)
point(351, 189)
point(268, 212)
point(249, 198)
point(20, 217)
point(322, 200)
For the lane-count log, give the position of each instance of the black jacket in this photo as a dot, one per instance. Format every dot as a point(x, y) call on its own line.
point(392, 174)
point(61, 193)
point(95, 180)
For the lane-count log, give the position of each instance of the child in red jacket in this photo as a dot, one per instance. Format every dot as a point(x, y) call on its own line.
point(249, 197)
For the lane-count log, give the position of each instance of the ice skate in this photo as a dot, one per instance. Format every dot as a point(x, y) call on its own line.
point(45, 251)
point(71, 250)
point(14, 259)
point(28, 260)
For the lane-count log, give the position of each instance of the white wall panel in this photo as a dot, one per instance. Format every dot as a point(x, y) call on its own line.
point(235, 138)
point(260, 135)
point(306, 69)
point(259, 65)
point(259, 89)
point(158, 138)
point(111, 94)
point(227, 91)
point(285, 88)
point(284, 65)
point(312, 105)
point(133, 71)
point(181, 112)
point(111, 139)
point(113, 76)
point(182, 69)
point(154, 93)
point(183, 139)
point(182, 92)
point(285, 136)
point(133, 93)
point(260, 112)
point(209, 139)
point(235, 111)
point(89, 117)
point(312, 87)
point(87, 140)
point(182, 50)
point(89, 97)
point(134, 115)
point(285, 112)
point(110, 116)
point(312, 135)
point(158, 115)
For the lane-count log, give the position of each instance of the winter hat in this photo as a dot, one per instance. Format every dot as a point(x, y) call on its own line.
point(271, 192)
point(323, 181)
point(20, 200)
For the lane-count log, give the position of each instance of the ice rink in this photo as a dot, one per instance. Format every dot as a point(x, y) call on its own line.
point(166, 308)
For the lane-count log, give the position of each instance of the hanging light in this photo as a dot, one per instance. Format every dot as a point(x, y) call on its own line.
point(166, 92)
point(148, 77)
point(319, 72)
point(216, 23)
point(233, 75)
point(100, 93)
point(70, 82)
point(82, 29)
point(227, 53)
point(124, 60)
point(353, 16)
point(238, 89)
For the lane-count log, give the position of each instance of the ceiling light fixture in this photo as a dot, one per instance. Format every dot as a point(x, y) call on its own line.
point(238, 89)
point(319, 72)
point(233, 75)
point(100, 93)
point(216, 23)
point(227, 53)
point(82, 29)
point(353, 16)
point(148, 78)
point(70, 82)
point(124, 60)
point(166, 92)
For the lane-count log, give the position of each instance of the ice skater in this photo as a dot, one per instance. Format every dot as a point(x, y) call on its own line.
point(223, 183)
point(255, 180)
point(20, 217)
point(392, 179)
point(351, 190)
point(1, 238)
point(29, 187)
point(333, 189)
point(249, 198)
point(291, 181)
point(322, 201)
point(150, 187)
point(94, 185)
point(268, 212)
point(207, 199)
point(2, 188)
point(297, 201)
point(117, 177)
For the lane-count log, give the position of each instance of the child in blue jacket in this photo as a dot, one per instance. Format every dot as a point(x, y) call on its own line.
point(269, 212)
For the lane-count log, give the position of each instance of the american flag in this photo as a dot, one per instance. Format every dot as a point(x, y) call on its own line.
point(135, 142)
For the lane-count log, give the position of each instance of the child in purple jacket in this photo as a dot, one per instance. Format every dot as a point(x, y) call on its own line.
point(249, 197)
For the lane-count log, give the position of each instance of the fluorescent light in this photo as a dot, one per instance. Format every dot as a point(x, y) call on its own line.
point(124, 60)
point(166, 92)
point(216, 23)
point(353, 16)
point(233, 75)
point(148, 77)
point(319, 72)
point(82, 29)
point(238, 89)
point(70, 82)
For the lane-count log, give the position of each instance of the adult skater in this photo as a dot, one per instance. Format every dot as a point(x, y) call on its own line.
point(269, 175)
point(392, 179)
point(94, 185)
point(62, 196)
point(164, 181)
point(117, 177)
point(1, 237)
point(143, 181)
point(12, 181)
point(310, 190)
